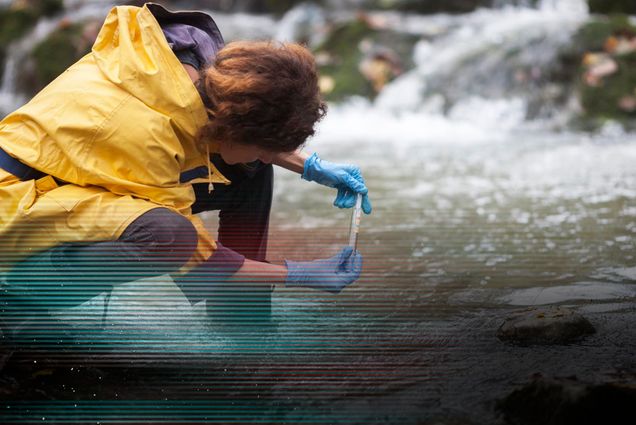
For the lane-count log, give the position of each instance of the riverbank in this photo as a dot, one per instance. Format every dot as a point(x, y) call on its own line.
point(450, 371)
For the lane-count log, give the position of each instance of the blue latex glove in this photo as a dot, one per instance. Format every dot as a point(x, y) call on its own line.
point(331, 274)
point(344, 177)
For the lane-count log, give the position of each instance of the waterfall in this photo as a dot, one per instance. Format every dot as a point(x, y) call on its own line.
point(487, 53)
point(477, 76)
point(491, 59)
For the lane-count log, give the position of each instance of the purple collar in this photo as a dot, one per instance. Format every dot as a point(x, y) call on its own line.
point(193, 36)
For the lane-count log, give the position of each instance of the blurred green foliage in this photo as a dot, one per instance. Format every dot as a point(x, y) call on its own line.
point(602, 101)
point(613, 6)
point(15, 22)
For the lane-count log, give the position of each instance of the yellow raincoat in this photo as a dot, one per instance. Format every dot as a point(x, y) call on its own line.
point(119, 127)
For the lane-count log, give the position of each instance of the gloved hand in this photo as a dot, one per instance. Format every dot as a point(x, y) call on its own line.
point(344, 177)
point(331, 274)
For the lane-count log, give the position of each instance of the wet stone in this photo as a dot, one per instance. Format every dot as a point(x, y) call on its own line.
point(544, 326)
point(608, 399)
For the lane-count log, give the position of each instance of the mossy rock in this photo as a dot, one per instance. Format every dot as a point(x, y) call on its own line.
point(592, 35)
point(599, 104)
point(15, 22)
point(342, 47)
point(612, 6)
point(602, 101)
point(53, 56)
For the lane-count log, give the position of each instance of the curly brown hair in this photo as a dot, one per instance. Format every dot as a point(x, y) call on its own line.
point(264, 94)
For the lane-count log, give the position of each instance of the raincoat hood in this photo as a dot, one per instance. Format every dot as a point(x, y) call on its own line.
point(132, 52)
point(119, 130)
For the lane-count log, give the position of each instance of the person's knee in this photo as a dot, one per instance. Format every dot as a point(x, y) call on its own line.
point(179, 238)
point(168, 236)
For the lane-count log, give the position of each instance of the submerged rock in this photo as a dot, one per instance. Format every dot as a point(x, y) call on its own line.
point(574, 292)
point(544, 326)
point(569, 401)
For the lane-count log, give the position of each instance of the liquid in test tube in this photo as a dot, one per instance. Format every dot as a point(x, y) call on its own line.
point(355, 223)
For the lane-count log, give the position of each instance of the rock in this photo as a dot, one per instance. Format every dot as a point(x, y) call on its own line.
point(603, 37)
point(14, 24)
point(544, 326)
point(621, 43)
point(572, 293)
point(627, 103)
point(16, 21)
point(22, 15)
point(599, 97)
point(598, 66)
point(379, 66)
point(569, 401)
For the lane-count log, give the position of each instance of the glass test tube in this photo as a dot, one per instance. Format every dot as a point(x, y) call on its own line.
point(355, 223)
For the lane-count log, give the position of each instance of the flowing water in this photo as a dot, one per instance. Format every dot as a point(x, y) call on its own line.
point(481, 206)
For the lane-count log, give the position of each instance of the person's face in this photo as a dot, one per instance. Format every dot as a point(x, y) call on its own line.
point(239, 153)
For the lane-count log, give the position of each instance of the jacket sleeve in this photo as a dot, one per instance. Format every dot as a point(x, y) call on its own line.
point(217, 268)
